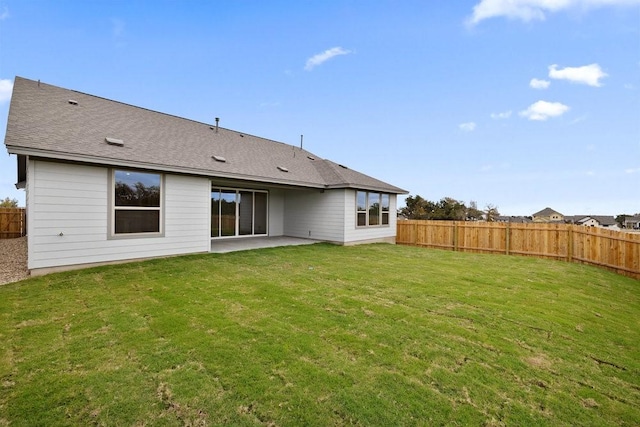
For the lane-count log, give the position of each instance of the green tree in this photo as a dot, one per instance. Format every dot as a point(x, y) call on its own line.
point(491, 213)
point(446, 209)
point(450, 209)
point(9, 203)
point(473, 213)
point(620, 219)
point(417, 208)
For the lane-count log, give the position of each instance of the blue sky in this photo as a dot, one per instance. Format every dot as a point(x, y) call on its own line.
point(521, 104)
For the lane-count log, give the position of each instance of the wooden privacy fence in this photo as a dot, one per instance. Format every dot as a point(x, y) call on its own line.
point(615, 250)
point(13, 223)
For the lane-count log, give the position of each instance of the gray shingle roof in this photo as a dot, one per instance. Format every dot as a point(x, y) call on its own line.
point(546, 212)
point(54, 122)
point(607, 220)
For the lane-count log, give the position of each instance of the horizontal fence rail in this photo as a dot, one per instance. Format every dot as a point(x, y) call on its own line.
point(614, 250)
point(13, 223)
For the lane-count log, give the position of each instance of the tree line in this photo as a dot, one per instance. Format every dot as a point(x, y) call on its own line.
point(447, 208)
point(8, 203)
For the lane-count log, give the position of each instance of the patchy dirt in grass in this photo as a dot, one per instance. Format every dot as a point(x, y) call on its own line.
point(589, 403)
point(13, 260)
point(539, 361)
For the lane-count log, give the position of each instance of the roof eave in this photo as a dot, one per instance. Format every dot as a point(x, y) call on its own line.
point(393, 190)
point(106, 161)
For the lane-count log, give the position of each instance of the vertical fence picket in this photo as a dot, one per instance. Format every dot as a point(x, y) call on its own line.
point(12, 223)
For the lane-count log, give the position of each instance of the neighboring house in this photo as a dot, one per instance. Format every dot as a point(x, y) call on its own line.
point(108, 182)
point(547, 215)
point(573, 219)
point(632, 222)
point(602, 221)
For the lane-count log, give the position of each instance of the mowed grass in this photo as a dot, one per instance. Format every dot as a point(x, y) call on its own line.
point(323, 335)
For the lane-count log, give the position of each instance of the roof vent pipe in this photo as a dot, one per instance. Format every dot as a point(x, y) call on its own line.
point(217, 121)
point(301, 137)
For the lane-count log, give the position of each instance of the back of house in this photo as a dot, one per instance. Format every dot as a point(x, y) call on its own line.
point(109, 182)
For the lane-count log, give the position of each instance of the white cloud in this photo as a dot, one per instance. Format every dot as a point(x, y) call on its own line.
point(632, 170)
point(530, 10)
point(6, 87)
point(320, 58)
point(539, 84)
point(467, 127)
point(542, 110)
point(499, 116)
point(587, 74)
point(579, 119)
point(5, 14)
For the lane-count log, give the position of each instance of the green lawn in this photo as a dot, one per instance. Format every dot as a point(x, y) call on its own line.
point(323, 335)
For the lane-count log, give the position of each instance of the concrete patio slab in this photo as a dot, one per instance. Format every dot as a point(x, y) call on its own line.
point(219, 246)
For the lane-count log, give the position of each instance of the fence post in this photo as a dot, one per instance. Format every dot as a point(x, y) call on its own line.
point(570, 243)
point(455, 236)
point(508, 237)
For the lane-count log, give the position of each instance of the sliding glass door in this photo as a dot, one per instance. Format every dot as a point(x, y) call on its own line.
point(238, 212)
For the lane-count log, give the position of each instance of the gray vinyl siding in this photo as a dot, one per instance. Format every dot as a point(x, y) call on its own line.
point(331, 216)
point(315, 215)
point(68, 213)
point(354, 234)
point(276, 212)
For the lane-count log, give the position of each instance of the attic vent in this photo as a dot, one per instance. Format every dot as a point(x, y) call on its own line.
point(219, 159)
point(311, 158)
point(73, 102)
point(114, 141)
point(343, 166)
point(283, 169)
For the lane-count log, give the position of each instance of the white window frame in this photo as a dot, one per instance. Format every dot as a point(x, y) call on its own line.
point(366, 213)
point(113, 208)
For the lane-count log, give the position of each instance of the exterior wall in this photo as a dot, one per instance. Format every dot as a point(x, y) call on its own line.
point(632, 223)
point(68, 218)
point(315, 215)
point(355, 234)
point(593, 222)
point(276, 213)
point(331, 216)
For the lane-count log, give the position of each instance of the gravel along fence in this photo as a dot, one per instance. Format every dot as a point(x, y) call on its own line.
point(13, 260)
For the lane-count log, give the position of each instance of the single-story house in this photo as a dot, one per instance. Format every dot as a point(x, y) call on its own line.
point(602, 221)
point(109, 182)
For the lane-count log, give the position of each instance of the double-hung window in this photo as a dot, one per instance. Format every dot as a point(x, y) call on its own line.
point(372, 209)
point(137, 203)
